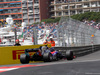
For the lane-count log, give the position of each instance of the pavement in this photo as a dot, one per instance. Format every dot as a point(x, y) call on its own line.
point(85, 65)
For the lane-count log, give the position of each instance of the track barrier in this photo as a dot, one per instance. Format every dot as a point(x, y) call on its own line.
point(11, 54)
point(81, 50)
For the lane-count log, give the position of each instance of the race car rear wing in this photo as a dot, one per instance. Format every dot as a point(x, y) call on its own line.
point(32, 50)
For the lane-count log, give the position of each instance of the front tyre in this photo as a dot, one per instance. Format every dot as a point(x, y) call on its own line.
point(69, 55)
point(24, 59)
point(47, 57)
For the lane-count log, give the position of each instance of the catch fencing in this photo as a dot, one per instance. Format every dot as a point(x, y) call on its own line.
point(72, 33)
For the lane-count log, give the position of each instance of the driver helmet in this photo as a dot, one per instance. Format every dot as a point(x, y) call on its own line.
point(43, 48)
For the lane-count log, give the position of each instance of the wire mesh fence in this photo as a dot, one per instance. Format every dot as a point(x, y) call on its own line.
point(72, 32)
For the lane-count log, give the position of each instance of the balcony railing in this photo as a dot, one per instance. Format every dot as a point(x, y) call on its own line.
point(93, 5)
point(36, 4)
point(24, 8)
point(25, 17)
point(8, 0)
point(36, 12)
point(37, 20)
point(30, 16)
point(30, 1)
point(24, 5)
point(58, 15)
point(30, 5)
point(10, 12)
point(36, 16)
point(24, 11)
point(30, 13)
point(65, 13)
point(10, 6)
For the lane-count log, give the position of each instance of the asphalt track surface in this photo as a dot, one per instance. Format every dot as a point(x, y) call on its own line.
point(85, 65)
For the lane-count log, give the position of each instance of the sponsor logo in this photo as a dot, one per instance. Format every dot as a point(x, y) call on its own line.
point(16, 54)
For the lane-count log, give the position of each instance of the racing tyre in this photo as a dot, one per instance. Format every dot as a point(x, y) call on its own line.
point(47, 57)
point(57, 56)
point(69, 55)
point(24, 59)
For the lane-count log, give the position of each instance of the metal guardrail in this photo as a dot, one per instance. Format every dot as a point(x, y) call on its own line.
point(81, 50)
point(5, 45)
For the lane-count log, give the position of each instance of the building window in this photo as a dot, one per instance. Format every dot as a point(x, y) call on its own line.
point(36, 1)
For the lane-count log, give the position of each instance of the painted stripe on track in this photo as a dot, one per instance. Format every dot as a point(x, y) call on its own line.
point(4, 69)
point(7, 69)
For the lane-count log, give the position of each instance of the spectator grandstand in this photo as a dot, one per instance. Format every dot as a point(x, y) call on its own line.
point(93, 24)
point(49, 30)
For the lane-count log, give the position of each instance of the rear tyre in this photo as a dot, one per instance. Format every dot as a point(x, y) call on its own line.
point(69, 55)
point(59, 56)
point(24, 59)
point(47, 57)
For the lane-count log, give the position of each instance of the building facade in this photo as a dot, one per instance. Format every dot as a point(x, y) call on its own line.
point(35, 10)
point(29, 11)
point(71, 7)
point(11, 7)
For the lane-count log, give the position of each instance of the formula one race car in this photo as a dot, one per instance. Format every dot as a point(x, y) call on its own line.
point(44, 54)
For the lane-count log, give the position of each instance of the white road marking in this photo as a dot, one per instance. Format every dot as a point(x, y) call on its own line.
point(8, 69)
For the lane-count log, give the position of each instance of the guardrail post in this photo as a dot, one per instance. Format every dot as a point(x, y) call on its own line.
point(15, 31)
point(92, 42)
